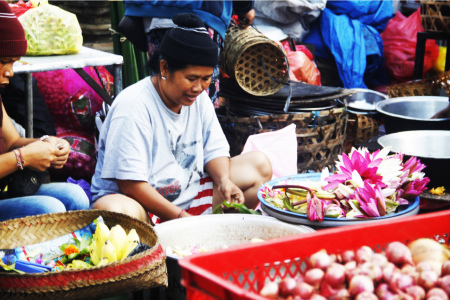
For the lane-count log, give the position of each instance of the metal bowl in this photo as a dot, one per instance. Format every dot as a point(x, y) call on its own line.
point(364, 100)
point(413, 113)
point(430, 146)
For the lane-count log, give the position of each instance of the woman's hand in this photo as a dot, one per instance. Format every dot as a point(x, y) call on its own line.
point(39, 156)
point(246, 20)
point(229, 192)
point(63, 154)
point(445, 113)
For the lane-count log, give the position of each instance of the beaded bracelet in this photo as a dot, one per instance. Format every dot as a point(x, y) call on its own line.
point(22, 162)
point(179, 215)
point(19, 161)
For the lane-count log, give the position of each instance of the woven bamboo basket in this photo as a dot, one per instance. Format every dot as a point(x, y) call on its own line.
point(141, 271)
point(320, 137)
point(360, 129)
point(426, 87)
point(435, 15)
point(241, 59)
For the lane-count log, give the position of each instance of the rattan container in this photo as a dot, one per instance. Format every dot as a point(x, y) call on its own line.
point(435, 15)
point(320, 134)
point(425, 87)
point(141, 271)
point(250, 57)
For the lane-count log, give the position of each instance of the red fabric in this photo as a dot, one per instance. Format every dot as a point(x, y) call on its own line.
point(12, 36)
point(201, 203)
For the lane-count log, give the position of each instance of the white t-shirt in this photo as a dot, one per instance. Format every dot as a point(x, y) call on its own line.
point(141, 139)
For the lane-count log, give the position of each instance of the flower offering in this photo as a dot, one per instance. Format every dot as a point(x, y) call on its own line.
point(364, 185)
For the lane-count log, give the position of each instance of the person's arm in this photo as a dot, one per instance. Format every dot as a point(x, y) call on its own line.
point(36, 155)
point(245, 12)
point(219, 170)
point(150, 199)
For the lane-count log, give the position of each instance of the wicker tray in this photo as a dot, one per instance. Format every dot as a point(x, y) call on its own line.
point(320, 137)
point(141, 271)
point(425, 87)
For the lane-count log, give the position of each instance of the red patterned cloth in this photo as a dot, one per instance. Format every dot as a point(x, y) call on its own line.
point(202, 203)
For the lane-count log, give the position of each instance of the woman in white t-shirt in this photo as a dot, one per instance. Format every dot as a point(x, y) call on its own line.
point(162, 152)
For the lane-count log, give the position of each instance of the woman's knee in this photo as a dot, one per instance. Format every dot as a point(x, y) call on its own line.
point(71, 195)
point(262, 165)
point(46, 205)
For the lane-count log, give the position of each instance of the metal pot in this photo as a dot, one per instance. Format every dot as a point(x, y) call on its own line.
point(364, 101)
point(413, 113)
point(430, 146)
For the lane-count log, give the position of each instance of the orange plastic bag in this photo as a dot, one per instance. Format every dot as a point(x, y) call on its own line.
point(301, 66)
point(400, 39)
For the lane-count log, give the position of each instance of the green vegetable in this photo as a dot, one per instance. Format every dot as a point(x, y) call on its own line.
point(239, 206)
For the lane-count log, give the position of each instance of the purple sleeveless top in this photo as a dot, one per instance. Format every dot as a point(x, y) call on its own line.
point(2, 144)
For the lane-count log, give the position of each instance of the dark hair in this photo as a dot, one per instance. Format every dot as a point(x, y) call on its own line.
point(173, 65)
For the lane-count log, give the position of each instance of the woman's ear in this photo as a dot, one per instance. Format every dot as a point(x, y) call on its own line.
point(163, 68)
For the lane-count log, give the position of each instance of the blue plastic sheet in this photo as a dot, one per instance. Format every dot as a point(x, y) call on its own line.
point(349, 33)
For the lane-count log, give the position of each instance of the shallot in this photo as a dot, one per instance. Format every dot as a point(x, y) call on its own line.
point(363, 254)
point(398, 254)
point(417, 292)
point(302, 290)
point(335, 275)
point(347, 256)
point(286, 286)
point(437, 292)
point(444, 283)
point(428, 279)
point(270, 290)
point(320, 260)
point(366, 296)
point(314, 277)
point(359, 284)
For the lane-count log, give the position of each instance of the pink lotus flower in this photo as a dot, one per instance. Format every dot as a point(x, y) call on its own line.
point(316, 208)
point(414, 188)
point(266, 191)
point(363, 165)
point(413, 165)
point(371, 200)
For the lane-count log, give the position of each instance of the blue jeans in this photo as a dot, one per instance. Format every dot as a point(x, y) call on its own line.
point(50, 198)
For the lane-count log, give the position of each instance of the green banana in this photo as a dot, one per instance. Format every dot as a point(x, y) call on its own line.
point(101, 236)
point(109, 252)
point(118, 238)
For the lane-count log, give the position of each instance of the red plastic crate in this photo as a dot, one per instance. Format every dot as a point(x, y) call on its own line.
point(241, 272)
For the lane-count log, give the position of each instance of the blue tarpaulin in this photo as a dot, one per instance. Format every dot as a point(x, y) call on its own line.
point(349, 33)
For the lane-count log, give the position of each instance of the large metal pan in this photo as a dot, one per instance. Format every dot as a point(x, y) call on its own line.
point(413, 113)
point(430, 146)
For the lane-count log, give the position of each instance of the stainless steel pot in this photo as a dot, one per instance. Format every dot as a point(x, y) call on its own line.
point(364, 100)
point(430, 146)
point(413, 113)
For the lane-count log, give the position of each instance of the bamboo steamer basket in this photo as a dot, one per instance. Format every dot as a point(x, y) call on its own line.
point(241, 58)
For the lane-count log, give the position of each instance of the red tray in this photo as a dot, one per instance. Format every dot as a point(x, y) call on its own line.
point(240, 272)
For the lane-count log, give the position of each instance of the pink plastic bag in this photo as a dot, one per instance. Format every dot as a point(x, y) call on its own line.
point(301, 65)
point(400, 39)
point(280, 146)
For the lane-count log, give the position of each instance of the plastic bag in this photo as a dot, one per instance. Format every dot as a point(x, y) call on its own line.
point(400, 40)
point(73, 105)
point(51, 30)
point(280, 146)
point(20, 7)
point(301, 66)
